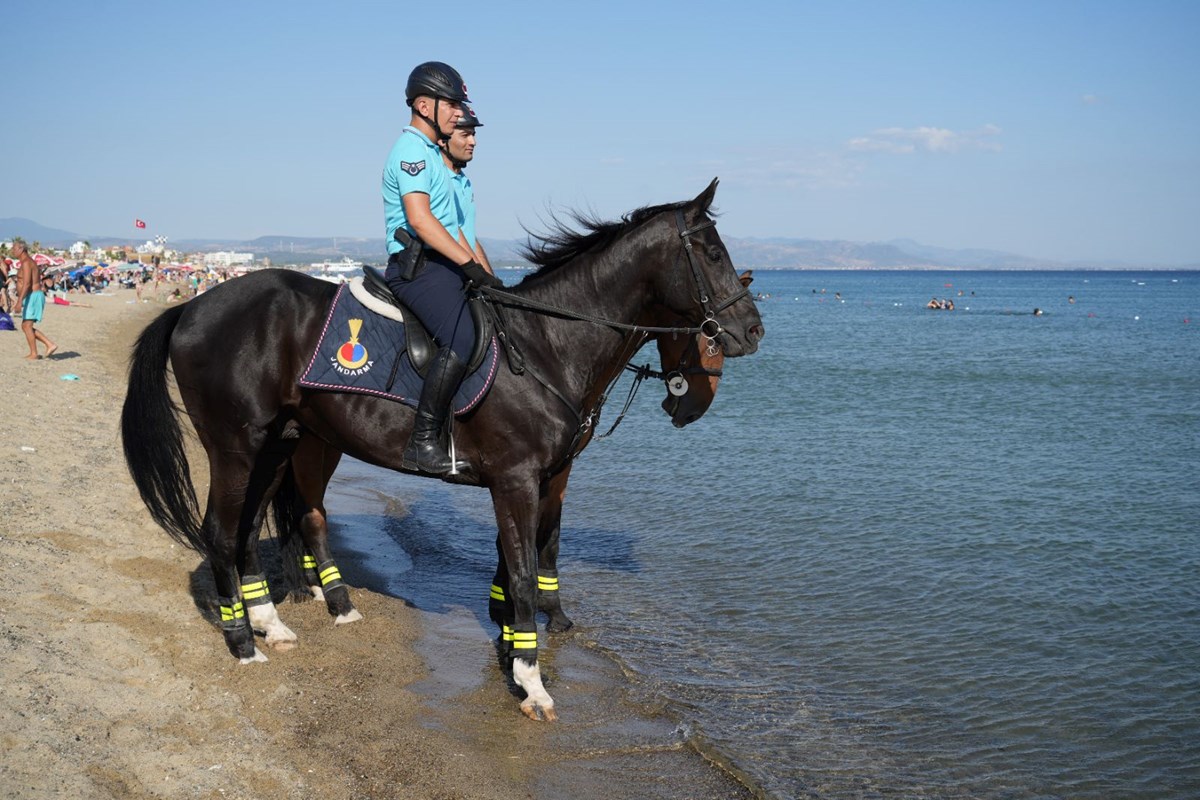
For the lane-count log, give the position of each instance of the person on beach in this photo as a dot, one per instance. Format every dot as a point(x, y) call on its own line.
point(457, 152)
point(428, 258)
point(32, 300)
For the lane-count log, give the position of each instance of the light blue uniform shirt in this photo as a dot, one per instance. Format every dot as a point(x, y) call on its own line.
point(415, 165)
point(465, 196)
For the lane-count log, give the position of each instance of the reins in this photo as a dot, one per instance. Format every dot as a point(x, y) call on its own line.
point(710, 328)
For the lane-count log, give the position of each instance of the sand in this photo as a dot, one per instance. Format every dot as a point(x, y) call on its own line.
point(116, 683)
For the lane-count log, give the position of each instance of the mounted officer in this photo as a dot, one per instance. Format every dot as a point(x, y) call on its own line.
point(429, 260)
point(457, 151)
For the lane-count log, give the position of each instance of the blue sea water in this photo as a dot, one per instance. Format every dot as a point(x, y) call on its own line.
point(907, 553)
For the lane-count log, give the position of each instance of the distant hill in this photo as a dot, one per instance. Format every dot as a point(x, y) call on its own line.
point(31, 231)
point(769, 253)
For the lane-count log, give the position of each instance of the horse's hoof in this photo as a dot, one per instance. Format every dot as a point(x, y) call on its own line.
point(539, 713)
point(350, 616)
point(559, 624)
point(257, 657)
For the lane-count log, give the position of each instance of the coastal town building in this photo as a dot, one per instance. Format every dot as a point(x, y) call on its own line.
point(228, 259)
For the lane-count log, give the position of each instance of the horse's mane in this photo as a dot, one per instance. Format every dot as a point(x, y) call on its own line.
point(564, 243)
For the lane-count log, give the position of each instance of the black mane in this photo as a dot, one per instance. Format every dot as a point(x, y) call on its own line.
point(563, 243)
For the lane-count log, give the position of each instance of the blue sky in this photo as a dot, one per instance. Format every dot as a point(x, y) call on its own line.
point(1061, 130)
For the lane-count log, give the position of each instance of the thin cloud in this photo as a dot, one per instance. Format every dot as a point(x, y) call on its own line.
point(904, 141)
point(1090, 99)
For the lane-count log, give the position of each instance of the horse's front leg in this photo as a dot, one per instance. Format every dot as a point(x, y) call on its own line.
point(517, 517)
point(549, 531)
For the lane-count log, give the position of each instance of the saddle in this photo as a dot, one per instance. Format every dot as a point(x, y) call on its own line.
point(418, 342)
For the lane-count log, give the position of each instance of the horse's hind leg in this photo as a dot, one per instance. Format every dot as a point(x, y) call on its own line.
point(313, 465)
point(256, 595)
point(230, 475)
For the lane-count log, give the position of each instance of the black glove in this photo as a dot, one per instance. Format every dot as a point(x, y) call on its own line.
point(479, 276)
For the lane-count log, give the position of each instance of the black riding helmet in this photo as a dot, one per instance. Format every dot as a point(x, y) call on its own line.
point(469, 119)
point(439, 81)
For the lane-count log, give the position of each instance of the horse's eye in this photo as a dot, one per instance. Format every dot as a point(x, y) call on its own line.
point(714, 253)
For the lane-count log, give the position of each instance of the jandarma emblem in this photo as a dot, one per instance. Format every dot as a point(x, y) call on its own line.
point(352, 358)
point(411, 168)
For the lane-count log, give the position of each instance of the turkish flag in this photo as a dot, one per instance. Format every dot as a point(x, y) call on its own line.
point(137, 223)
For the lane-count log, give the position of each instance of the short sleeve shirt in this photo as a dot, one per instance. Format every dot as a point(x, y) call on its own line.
point(415, 165)
point(464, 195)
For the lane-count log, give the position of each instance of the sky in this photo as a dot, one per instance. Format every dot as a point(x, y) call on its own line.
point(1056, 130)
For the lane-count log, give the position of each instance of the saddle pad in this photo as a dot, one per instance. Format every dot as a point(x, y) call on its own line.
point(359, 350)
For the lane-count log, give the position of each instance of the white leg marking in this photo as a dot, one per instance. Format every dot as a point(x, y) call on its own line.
point(318, 593)
point(345, 619)
point(265, 619)
point(257, 657)
point(538, 702)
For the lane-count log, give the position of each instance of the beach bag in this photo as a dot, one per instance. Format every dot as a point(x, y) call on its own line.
point(6, 323)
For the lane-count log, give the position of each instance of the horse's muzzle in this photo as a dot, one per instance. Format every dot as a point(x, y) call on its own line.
point(744, 342)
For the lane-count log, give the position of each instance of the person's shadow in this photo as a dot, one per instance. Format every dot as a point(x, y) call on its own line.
point(64, 355)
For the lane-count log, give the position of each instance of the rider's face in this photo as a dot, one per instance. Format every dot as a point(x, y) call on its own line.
point(449, 112)
point(462, 145)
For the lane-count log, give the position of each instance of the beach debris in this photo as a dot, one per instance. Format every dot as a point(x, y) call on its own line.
point(68, 377)
point(27, 449)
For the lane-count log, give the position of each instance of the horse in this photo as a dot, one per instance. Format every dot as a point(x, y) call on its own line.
point(238, 350)
point(691, 371)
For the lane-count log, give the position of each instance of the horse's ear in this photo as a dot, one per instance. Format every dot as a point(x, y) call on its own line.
point(705, 198)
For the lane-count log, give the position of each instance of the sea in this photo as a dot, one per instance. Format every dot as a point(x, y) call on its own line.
point(906, 553)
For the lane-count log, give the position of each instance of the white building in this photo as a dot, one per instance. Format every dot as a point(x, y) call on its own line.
point(225, 259)
point(78, 250)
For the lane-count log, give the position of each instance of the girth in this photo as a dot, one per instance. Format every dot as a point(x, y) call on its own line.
point(417, 341)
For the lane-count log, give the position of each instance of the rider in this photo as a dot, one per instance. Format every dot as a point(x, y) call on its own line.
point(457, 152)
point(428, 262)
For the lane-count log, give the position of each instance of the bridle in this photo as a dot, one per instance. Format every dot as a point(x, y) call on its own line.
point(706, 305)
point(710, 327)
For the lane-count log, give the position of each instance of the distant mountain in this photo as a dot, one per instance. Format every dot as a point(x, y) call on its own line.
point(970, 258)
point(31, 231)
point(770, 253)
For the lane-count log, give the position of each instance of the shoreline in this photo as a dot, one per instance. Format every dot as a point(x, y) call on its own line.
point(120, 686)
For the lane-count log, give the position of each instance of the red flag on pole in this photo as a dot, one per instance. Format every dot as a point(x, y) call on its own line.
point(137, 223)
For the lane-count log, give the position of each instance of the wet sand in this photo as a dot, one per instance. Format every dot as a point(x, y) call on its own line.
point(117, 682)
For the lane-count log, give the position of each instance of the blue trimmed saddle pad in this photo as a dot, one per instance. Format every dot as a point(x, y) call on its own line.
point(362, 351)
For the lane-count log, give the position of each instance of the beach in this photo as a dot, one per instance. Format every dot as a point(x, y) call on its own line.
point(118, 684)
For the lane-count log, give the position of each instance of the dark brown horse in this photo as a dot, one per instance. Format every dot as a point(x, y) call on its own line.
point(238, 350)
point(691, 370)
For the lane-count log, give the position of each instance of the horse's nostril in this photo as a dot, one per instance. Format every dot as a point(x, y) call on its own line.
point(756, 332)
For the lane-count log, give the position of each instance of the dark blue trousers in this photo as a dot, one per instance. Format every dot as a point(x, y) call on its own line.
point(436, 296)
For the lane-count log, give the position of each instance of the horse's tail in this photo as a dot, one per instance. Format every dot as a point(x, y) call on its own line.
point(285, 508)
point(153, 440)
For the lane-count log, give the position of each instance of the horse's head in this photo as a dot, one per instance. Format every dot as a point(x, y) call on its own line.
point(706, 289)
point(693, 370)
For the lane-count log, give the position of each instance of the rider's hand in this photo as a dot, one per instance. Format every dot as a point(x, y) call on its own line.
point(479, 276)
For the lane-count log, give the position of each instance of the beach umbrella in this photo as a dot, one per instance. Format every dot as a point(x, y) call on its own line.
point(43, 259)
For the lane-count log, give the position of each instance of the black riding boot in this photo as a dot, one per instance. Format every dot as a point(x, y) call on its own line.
point(425, 452)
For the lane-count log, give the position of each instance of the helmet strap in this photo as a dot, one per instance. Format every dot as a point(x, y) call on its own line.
point(438, 135)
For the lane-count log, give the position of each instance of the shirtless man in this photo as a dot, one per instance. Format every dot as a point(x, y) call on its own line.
point(32, 300)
